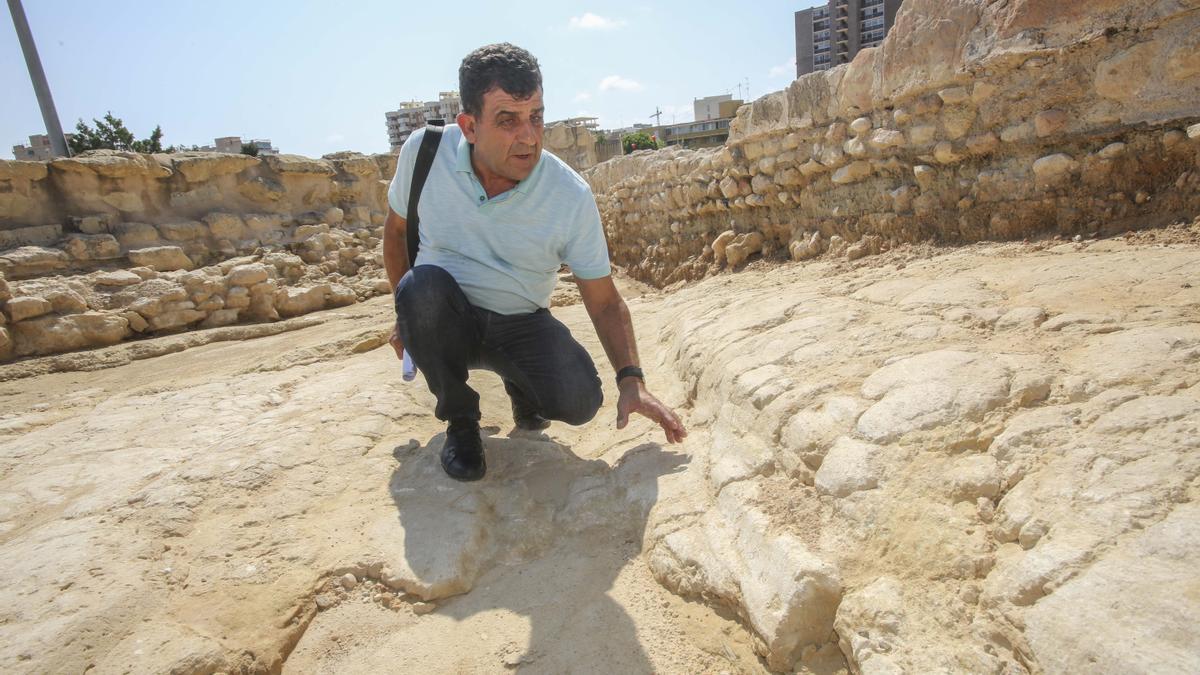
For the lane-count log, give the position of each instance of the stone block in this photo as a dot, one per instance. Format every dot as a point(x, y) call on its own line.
point(27, 307)
point(31, 261)
point(161, 258)
point(135, 235)
point(56, 334)
point(184, 230)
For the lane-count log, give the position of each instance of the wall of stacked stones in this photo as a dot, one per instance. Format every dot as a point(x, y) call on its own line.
point(110, 246)
point(974, 121)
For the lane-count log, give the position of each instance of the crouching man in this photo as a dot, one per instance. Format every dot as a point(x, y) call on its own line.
point(497, 217)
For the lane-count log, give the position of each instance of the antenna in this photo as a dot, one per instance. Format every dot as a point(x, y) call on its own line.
point(657, 117)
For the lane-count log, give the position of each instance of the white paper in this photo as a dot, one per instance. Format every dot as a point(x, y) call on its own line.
point(410, 368)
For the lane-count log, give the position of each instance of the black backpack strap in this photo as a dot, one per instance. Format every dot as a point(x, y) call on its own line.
point(425, 155)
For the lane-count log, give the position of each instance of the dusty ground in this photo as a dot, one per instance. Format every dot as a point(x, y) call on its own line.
point(197, 511)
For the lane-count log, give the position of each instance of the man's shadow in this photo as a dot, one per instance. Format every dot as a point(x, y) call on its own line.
point(544, 535)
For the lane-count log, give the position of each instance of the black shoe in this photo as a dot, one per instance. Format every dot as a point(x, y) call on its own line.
point(528, 420)
point(462, 454)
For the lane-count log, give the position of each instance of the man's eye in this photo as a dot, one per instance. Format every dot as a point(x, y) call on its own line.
point(507, 122)
point(536, 119)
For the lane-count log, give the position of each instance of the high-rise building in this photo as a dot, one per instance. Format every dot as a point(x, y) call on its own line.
point(831, 34)
point(413, 115)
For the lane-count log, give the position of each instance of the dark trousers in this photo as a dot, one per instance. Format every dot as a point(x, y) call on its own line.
point(543, 368)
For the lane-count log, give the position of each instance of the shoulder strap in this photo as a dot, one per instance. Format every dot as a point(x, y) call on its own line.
point(425, 155)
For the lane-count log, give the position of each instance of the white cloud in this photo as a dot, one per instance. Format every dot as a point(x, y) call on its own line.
point(619, 83)
point(582, 96)
point(335, 138)
point(788, 69)
point(591, 21)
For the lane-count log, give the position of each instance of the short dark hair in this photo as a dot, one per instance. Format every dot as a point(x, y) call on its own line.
point(501, 65)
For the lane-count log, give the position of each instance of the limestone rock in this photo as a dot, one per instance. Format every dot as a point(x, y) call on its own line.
point(161, 258)
point(183, 230)
point(135, 235)
point(929, 390)
point(247, 275)
point(852, 172)
point(117, 278)
point(1054, 170)
point(225, 225)
point(848, 467)
point(728, 555)
point(55, 334)
point(27, 307)
point(29, 261)
point(199, 167)
point(88, 247)
point(1141, 579)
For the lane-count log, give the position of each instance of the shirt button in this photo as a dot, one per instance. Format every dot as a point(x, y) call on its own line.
point(481, 197)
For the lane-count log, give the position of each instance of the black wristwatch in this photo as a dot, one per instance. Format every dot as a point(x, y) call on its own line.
point(631, 371)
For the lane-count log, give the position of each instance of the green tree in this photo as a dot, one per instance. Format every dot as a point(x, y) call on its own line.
point(250, 149)
point(639, 140)
point(110, 134)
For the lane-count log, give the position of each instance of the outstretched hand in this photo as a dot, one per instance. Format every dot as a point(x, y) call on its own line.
point(636, 399)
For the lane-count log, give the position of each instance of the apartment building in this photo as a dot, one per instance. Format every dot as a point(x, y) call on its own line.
point(413, 115)
point(39, 148)
point(831, 34)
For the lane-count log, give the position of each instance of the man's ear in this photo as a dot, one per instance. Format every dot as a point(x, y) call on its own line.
point(466, 122)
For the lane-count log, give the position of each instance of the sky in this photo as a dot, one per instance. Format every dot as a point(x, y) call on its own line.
point(317, 77)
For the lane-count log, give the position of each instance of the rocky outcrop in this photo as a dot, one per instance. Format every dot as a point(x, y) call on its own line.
point(973, 121)
point(123, 187)
point(167, 292)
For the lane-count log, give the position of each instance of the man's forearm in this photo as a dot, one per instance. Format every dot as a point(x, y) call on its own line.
point(395, 249)
point(614, 327)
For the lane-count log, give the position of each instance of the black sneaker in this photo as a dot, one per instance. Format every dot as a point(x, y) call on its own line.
point(528, 420)
point(462, 454)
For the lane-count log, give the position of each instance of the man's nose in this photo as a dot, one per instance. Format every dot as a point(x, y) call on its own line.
point(526, 133)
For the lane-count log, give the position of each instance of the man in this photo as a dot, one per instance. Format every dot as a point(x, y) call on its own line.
point(497, 219)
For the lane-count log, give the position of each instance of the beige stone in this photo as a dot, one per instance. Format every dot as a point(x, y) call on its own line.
point(1054, 169)
point(225, 225)
point(161, 258)
point(55, 334)
point(982, 144)
point(135, 235)
point(183, 230)
point(27, 307)
point(946, 153)
point(851, 173)
point(1050, 122)
point(883, 139)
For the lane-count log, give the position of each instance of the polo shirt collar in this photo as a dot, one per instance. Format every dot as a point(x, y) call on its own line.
point(463, 164)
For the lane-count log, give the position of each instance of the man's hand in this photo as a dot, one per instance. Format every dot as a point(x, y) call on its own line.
point(635, 399)
point(396, 343)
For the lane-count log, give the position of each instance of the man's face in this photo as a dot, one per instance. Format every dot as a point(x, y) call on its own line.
point(507, 135)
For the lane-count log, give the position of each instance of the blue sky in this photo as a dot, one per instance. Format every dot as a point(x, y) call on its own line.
point(317, 77)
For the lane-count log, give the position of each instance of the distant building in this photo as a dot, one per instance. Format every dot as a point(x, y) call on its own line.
point(230, 144)
point(233, 145)
point(831, 35)
point(413, 115)
point(709, 107)
point(698, 134)
point(39, 148)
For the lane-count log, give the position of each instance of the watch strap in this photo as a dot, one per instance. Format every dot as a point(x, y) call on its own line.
point(630, 371)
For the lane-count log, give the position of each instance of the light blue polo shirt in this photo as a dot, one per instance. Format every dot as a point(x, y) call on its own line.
point(504, 252)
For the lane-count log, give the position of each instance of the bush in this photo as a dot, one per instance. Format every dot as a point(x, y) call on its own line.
point(639, 141)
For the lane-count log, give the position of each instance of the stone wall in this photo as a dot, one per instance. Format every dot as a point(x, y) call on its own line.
point(973, 121)
point(109, 246)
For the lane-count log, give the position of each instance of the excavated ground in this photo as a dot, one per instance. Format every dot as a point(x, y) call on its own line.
point(200, 510)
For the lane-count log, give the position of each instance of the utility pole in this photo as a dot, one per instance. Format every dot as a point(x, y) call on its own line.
point(58, 142)
point(657, 117)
